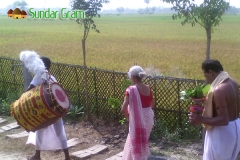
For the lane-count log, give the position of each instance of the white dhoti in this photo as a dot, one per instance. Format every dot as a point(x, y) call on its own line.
point(222, 142)
point(52, 137)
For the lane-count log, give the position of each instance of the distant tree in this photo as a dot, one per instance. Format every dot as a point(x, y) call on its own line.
point(120, 10)
point(233, 10)
point(140, 11)
point(147, 1)
point(20, 4)
point(91, 8)
point(208, 14)
point(152, 10)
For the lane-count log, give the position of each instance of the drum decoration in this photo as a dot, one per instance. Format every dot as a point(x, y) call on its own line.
point(40, 106)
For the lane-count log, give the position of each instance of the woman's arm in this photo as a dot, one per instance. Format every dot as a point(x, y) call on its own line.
point(124, 108)
point(153, 104)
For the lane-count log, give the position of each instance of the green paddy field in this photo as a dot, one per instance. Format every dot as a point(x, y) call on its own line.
point(152, 41)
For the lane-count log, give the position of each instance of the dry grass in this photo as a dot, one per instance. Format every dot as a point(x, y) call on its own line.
point(154, 40)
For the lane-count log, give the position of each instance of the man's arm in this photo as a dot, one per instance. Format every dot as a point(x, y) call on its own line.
point(222, 118)
point(35, 82)
point(31, 86)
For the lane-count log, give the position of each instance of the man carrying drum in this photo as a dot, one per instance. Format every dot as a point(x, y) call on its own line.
point(52, 137)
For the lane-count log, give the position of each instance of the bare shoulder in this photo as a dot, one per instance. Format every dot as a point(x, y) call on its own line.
point(146, 87)
point(221, 87)
point(225, 88)
point(221, 91)
point(234, 82)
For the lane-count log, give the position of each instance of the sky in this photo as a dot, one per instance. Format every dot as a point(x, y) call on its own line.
point(112, 5)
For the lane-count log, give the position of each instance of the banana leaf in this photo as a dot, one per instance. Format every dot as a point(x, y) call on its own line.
point(206, 89)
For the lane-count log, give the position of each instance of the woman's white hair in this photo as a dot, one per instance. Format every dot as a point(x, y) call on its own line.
point(137, 71)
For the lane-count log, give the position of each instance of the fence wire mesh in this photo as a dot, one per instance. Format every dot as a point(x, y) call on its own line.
point(170, 112)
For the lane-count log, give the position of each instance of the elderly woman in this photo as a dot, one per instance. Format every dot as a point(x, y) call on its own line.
point(137, 108)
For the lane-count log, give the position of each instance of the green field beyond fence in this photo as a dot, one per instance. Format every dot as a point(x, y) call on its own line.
point(148, 40)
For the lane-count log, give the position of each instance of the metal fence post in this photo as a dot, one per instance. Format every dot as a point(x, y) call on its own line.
point(95, 90)
point(2, 76)
point(179, 105)
point(27, 77)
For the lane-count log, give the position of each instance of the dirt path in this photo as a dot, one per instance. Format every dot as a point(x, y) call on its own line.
point(98, 132)
point(11, 156)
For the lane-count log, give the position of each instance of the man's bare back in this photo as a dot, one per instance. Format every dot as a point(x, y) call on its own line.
point(231, 93)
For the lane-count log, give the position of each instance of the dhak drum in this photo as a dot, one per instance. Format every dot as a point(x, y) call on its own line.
point(40, 106)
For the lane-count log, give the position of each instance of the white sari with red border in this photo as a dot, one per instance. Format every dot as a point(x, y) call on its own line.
point(140, 125)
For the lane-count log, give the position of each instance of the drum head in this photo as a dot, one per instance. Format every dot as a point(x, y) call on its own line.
point(60, 96)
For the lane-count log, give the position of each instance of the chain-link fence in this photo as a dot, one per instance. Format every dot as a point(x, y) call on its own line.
point(170, 112)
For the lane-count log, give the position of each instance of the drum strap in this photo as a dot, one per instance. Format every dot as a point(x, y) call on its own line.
point(46, 77)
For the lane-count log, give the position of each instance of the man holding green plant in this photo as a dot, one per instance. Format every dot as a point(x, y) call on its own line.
point(220, 114)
